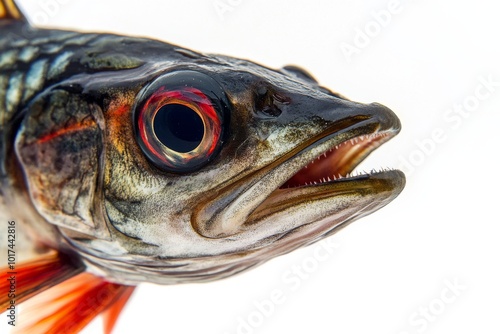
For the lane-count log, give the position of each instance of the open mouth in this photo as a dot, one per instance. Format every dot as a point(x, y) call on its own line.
point(327, 181)
point(338, 162)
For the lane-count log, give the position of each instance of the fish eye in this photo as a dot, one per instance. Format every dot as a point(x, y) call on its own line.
point(179, 127)
point(180, 120)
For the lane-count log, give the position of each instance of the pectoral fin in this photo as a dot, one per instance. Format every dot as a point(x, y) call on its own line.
point(34, 277)
point(58, 297)
point(73, 304)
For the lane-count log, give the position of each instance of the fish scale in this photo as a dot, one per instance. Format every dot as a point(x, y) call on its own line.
point(45, 56)
point(55, 48)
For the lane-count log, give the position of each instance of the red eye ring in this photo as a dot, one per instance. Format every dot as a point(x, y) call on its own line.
point(180, 127)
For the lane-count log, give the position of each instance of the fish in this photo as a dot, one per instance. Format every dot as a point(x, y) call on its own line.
point(126, 160)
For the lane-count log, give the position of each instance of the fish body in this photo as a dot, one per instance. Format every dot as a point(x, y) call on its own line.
point(129, 160)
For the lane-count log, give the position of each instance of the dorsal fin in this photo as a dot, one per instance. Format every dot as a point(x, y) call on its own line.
point(10, 11)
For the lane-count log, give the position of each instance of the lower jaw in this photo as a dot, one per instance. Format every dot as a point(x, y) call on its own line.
point(382, 186)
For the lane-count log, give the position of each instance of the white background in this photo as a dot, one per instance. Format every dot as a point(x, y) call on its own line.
point(394, 264)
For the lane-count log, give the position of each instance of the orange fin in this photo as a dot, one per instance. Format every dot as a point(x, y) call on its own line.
point(38, 275)
point(113, 312)
point(71, 305)
point(10, 11)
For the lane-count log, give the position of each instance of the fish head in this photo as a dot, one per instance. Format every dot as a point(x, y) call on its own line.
point(207, 165)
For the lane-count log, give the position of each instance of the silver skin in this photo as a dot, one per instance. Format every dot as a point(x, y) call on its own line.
point(73, 172)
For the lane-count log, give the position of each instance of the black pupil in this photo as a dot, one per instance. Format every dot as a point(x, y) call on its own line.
point(178, 127)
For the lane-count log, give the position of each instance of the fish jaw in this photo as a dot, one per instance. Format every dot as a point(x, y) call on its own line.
point(309, 183)
point(290, 203)
point(322, 209)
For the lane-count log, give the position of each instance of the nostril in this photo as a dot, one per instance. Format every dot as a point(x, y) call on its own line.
point(272, 111)
point(281, 98)
point(267, 102)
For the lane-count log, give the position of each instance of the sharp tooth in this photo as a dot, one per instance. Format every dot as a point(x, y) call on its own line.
point(352, 141)
point(329, 180)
